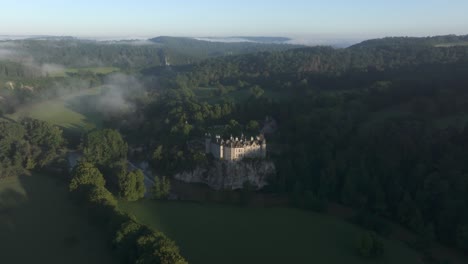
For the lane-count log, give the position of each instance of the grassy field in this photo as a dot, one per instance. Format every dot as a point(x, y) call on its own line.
point(64, 111)
point(38, 224)
point(224, 234)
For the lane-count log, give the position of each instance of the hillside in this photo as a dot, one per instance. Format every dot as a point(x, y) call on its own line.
point(200, 49)
point(434, 41)
point(72, 52)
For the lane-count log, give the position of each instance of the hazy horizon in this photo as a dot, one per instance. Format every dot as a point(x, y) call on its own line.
point(339, 19)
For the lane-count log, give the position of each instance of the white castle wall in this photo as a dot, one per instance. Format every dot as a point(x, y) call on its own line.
point(235, 149)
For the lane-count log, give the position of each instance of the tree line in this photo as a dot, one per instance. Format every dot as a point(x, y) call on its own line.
point(106, 151)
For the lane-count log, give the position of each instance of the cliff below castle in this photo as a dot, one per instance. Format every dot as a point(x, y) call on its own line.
point(230, 175)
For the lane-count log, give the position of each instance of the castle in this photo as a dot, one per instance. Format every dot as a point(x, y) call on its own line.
point(234, 149)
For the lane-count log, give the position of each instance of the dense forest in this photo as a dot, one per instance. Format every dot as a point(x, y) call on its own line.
point(381, 129)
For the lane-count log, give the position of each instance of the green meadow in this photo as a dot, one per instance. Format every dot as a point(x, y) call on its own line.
point(69, 112)
point(228, 234)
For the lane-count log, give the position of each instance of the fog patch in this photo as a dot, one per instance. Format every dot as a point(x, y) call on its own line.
point(8, 54)
point(10, 51)
point(51, 69)
point(117, 94)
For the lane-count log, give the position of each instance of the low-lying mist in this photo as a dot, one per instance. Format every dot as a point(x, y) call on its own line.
point(117, 92)
point(12, 52)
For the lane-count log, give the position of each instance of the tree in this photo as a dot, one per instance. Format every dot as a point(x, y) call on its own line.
point(253, 126)
point(256, 91)
point(103, 147)
point(161, 187)
point(158, 153)
point(86, 173)
point(132, 186)
point(157, 248)
point(233, 127)
point(28, 145)
point(113, 174)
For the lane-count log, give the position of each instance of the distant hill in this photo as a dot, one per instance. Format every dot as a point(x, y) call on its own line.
point(271, 40)
point(373, 56)
point(200, 49)
point(125, 54)
point(438, 41)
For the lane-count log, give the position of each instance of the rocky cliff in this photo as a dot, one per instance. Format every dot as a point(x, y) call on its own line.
point(230, 175)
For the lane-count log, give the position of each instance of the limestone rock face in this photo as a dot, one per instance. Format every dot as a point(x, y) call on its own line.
point(230, 175)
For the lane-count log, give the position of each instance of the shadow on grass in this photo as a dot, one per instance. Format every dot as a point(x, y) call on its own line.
point(39, 224)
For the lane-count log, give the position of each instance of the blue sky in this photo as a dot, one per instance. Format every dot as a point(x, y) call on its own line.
point(338, 18)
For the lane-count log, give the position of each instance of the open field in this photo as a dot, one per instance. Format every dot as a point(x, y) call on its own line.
point(225, 234)
point(38, 224)
point(67, 112)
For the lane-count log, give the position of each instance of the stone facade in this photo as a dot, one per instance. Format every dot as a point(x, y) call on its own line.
point(234, 149)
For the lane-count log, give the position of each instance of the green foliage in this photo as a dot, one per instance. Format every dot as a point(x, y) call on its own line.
point(253, 126)
point(233, 128)
point(30, 144)
point(256, 91)
point(114, 173)
point(156, 247)
point(369, 245)
point(132, 186)
point(158, 153)
point(161, 187)
point(86, 173)
point(103, 147)
point(100, 195)
point(134, 243)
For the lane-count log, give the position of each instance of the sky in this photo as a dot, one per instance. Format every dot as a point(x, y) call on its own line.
point(210, 18)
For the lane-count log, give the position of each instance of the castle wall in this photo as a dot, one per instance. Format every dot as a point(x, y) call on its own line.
point(235, 150)
point(228, 153)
